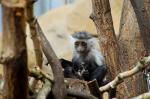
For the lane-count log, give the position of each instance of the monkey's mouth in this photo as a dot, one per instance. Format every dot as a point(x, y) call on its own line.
point(80, 51)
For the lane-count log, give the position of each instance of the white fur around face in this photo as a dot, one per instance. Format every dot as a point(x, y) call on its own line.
point(94, 53)
point(92, 43)
point(99, 59)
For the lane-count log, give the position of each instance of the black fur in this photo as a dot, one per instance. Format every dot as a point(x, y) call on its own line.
point(82, 35)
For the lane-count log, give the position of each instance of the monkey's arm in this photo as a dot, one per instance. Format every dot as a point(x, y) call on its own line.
point(98, 68)
point(65, 63)
point(76, 64)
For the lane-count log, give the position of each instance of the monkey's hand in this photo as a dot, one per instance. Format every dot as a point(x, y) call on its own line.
point(85, 74)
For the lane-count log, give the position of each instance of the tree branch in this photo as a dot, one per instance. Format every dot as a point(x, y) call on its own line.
point(46, 89)
point(119, 79)
point(37, 73)
point(143, 96)
point(36, 42)
point(114, 57)
point(59, 88)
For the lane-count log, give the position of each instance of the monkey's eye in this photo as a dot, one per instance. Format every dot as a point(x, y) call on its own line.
point(76, 43)
point(83, 43)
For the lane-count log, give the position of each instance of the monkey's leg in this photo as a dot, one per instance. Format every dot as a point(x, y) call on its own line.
point(99, 74)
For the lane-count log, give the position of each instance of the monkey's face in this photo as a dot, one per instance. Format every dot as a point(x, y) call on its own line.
point(81, 46)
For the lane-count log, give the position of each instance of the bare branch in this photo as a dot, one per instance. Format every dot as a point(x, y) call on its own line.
point(37, 73)
point(119, 79)
point(34, 36)
point(59, 88)
point(143, 96)
point(46, 89)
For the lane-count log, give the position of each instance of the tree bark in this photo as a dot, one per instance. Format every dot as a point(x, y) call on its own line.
point(143, 96)
point(36, 42)
point(143, 20)
point(59, 89)
point(80, 95)
point(94, 88)
point(34, 36)
point(134, 38)
point(140, 66)
point(108, 42)
point(147, 7)
point(14, 52)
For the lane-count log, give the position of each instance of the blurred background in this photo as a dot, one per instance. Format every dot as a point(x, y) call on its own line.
point(61, 18)
point(42, 6)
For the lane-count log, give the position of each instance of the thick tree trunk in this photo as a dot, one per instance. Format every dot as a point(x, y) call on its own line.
point(147, 6)
point(134, 38)
point(14, 53)
point(102, 18)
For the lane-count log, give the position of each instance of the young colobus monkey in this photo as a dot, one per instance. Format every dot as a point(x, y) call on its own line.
point(87, 62)
point(88, 58)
